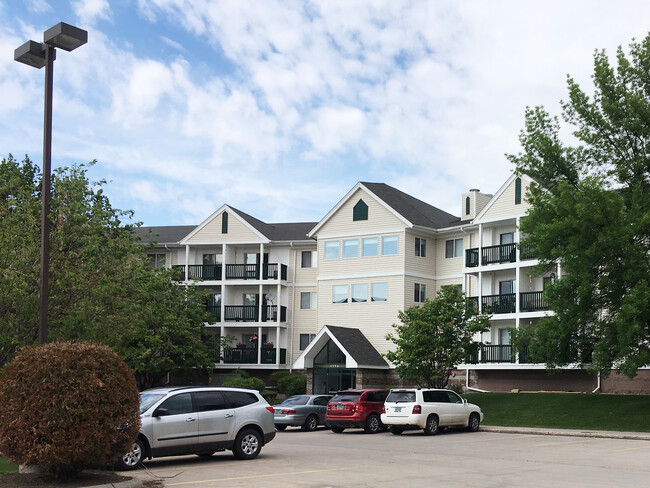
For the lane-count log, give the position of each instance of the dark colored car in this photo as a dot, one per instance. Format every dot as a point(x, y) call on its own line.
point(356, 408)
point(305, 411)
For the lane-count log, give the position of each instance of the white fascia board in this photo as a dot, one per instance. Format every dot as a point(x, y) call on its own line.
point(495, 197)
point(306, 359)
point(347, 196)
point(263, 238)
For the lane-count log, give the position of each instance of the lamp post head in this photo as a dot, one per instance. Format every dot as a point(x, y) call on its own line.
point(31, 53)
point(65, 36)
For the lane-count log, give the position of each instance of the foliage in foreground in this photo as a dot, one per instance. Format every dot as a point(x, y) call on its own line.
point(591, 212)
point(102, 289)
point(289, 384)
point(66, 406)
point(434, 338)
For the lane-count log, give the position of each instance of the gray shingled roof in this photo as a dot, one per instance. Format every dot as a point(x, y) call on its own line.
point(279, 231)
point(170, 234)
point(415, 211)
point(358, 346)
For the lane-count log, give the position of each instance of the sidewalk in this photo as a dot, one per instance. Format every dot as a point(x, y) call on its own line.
point(608, 434)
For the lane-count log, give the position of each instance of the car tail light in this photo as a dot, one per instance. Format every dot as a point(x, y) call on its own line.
point(417, 409)
point(383, 409)
point(270, 409)
point(358, 407)
point(288, 410)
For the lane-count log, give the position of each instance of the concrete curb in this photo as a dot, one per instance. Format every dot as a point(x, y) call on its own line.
point(601, 434)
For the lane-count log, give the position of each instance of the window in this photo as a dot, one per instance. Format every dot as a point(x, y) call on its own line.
point(305, 339)
point(466, 205)
point(369, 246)
point(340, 294)
point(420, 292)
point(388, 245)
point(332, 250)
point(454, 248)
point(517, 191)
point(359, 293)
point(238, 399)
point(351, 248)
point(224, 223)
point(156, 260)
point(178, 404)
point(421, 247)
point(209, 400)
point(360, 211)
point(307, 300)
point(308, 259)
point(379, 292)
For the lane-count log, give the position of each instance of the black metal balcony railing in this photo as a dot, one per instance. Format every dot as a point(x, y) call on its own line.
point(532, 301)
point(213, 272)
point(471, 257)
point(526, 252)
point(498, 303)
point(492, 354)
point(472, 303)
point(214, 311)
point(503, 253)
point(249, 356)
point(250, 313)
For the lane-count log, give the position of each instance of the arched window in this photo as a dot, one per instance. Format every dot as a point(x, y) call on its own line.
point(517, 191)
point(360, 211)
point(224, 223)
point(466, 205)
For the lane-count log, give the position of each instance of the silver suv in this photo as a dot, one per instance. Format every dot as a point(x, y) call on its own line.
point(429, 409)
point(200, 420)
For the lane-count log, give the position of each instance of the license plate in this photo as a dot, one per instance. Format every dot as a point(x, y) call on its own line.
point(277, 410)
point(398, 409)
point(340, 407)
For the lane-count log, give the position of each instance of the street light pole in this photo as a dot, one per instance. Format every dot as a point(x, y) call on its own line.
point(36, 54)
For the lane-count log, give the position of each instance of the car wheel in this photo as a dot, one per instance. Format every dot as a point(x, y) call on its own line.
point(372, 424)
point(432, 426)
point(396, 430)
point(474, 423)
point(205, 454)
point(311, 423)
point(248, 444)
point(337, 429)
point(280, 427)
point(132, 459)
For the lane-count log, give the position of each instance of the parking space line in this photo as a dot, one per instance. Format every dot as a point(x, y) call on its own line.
point(561, 443)
point(258, 476)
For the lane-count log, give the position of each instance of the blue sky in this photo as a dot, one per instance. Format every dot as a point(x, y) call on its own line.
point(279, 107)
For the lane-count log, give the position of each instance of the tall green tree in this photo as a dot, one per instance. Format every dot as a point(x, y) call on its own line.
point(434, 338)
point(102, 288)
point(591, 213)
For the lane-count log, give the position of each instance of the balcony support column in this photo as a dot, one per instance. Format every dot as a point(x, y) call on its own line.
point(518, 280)
point(222, 333)
point(259, 344)
point(277, 325)
point(187, 262)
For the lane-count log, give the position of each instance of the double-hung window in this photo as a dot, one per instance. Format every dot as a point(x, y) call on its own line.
point(454, 248)
point(419, 292)
point(307, 300)
point(308, 259)
point(156, 260)
point(421, 247)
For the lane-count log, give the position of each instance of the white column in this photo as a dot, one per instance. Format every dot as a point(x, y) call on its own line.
point(187, 262)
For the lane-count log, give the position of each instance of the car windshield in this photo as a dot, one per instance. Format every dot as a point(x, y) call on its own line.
point(148, 399)
point(296, 400)
point(401, 396)
point(346, 397)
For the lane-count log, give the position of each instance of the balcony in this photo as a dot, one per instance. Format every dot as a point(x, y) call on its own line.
point(532, 301)
point(249, 356)
point(498, 303)
point(250, 313)
point(503, 253)
point(492, 354)
point(212, 272)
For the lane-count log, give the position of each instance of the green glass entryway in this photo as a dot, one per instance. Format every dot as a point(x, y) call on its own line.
point(330, 373)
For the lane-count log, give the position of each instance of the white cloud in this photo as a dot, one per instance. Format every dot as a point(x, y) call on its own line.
point(88, 11)
point(39, 6)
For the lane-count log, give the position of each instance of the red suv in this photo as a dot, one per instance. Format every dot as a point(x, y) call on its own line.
point(356, 408)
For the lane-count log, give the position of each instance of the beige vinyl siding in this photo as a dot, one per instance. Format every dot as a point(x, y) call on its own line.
point(238, 231)
point(374, 319)
point(305, 321)
point(409, 289)
point(361, 265)
point(504, 206)
point(450, 266)
point(380, 219)
point(418, 264)
point(453, 281)
point(303, 275)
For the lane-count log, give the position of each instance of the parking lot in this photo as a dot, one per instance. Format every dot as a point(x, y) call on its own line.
point(451, 458)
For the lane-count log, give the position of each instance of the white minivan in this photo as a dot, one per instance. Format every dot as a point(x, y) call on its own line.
point(429, 409)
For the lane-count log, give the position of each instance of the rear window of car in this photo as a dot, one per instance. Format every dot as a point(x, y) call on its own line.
point(401, 396)
point(346, 397)
point(298, 400)
point(240, 398)
point(435, 396)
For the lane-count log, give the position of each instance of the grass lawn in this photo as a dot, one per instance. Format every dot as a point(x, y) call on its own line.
point(565, 410)
point(6, 467)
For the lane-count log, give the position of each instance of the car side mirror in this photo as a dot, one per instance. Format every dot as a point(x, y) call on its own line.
point(465, 400)
point(160, 412)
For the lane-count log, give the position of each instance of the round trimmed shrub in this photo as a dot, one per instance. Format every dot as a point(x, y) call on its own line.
point(66, 406)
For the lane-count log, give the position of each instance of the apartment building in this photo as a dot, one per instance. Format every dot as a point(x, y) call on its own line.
point(319, 298)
